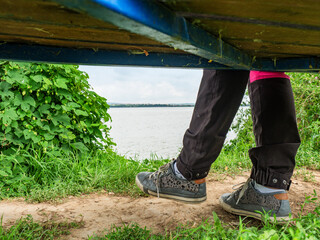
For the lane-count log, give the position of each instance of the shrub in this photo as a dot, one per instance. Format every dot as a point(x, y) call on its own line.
point(46, 106)
point(306, 88)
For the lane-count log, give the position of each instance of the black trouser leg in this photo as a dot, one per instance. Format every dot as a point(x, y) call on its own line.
point(218, 100)
point(276, 133)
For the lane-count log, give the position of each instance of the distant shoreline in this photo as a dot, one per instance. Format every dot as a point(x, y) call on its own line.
point(149, 105)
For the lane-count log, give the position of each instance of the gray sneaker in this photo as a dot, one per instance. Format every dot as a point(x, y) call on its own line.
point(164, 183)
point(247, 201)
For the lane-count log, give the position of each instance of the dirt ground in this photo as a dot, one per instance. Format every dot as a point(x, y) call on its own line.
point(100, 211)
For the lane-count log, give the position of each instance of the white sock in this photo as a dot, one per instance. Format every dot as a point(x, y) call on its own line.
point(263, 189)
point(177, 172)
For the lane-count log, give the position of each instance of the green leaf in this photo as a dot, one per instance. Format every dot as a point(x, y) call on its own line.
point(47, 99)
point(80, 146)
point(66, 94)
point(29, 100)
point(27, 134)
point(5, 86)
point(6, 95)
point(3, 174)
point(61, 83)
point(48, 136)
point(80, 112)
point(47, 81)
point(63, 118)
point(44, 109)
point(25, 106)
point(56, 106)
point(9, 137)
point(46, 127)
point(21, 113)
point(24, 103)
point(8, 129)
point(69, 136)
point(15, 75)
point(73, 105)
point(17, 99)
point(18, 133)
point(9, 115)
point(86, 139)
point(35, 138)
point(4, 104)
point(54, 121)
point(14, 124)
point(37, 78)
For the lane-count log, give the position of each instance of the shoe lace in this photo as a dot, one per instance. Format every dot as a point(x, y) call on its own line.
point(242, 187)
point(157, 174)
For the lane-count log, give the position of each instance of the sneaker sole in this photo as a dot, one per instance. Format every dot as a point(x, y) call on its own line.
point(163, 195)
point(228, 208)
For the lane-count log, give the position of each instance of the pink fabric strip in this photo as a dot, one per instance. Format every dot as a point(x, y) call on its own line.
point(257, 75)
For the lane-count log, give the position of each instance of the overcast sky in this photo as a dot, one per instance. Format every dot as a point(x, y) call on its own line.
point(144, 85)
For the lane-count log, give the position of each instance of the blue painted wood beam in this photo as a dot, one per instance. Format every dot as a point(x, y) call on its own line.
point(40, 53)
point(153, 20)
point(303, 64)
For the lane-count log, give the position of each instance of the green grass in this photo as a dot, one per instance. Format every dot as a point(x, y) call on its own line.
point(27, 228)
point(53, 176)
point(49, 177)
point(218, 230)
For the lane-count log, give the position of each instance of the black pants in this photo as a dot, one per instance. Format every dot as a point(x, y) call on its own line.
point(274, 126)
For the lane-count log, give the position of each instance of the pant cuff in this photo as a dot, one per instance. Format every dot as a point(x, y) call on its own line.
point(269, 178)
point(192, 174)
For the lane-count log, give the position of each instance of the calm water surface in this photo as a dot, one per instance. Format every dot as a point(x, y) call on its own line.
point(143, 132)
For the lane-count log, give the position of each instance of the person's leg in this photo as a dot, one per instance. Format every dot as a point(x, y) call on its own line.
point(218, 100)
point(276, 133)
point(273, 158)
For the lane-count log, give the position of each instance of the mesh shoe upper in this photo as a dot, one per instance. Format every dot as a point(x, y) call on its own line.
point(249, 200)
point(164, 181)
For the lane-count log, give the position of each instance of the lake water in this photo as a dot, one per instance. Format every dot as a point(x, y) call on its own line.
point(144, 132)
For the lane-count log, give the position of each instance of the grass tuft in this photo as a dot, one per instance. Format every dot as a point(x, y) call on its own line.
point(50, 177)
point(27, 228)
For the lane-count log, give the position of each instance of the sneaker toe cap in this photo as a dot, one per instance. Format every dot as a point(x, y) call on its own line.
point(226, 198)
point(142, 176)
point(143, 181)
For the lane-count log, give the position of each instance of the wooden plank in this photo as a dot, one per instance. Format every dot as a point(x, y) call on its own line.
point(289, 11)
point(77, 35)
point(47, 12)
point(269, 39)
point(92, 45)
point(232, 32)
point(264, 49)
point(74, 33)
point(51, 24)
point(48, 20)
